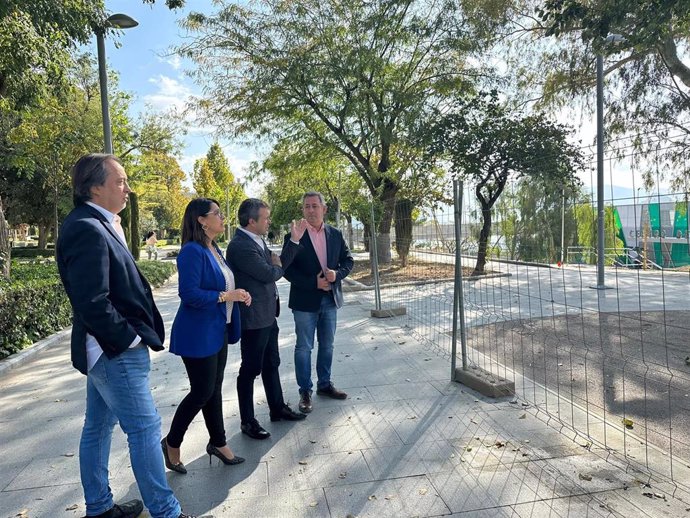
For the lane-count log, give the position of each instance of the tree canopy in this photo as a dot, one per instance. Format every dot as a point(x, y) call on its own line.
point(487, 144)
point(359, 76)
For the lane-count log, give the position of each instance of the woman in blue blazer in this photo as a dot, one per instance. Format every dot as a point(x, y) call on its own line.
point(207, 320)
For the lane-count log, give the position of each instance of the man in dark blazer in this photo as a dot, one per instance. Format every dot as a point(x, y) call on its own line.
point(115, 323)
point(316, 294)
point(256, 270)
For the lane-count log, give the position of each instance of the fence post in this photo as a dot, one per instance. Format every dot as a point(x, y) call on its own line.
point(458, 300)
point(375, 260)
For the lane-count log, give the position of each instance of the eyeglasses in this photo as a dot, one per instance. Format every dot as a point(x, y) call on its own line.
point(216, 213)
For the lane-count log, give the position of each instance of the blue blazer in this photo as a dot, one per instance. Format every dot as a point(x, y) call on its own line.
point(199, 326)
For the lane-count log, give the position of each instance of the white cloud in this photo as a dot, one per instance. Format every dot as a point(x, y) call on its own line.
point(171, 93)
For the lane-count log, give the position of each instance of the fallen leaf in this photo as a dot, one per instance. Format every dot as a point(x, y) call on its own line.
point(68, 454)
point(343, 474)
point(389, 497)
point(303, 462)
point(523, 416)
point(313, 504)
point(627, 422)
point(71, 507)
point(584, 476)
point(423, 491)
point(372, 497)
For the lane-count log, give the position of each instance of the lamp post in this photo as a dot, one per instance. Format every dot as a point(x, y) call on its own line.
point(118, 21)
point(610, 39)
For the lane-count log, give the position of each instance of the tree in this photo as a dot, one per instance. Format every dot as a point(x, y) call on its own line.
point(359, 76)
point(648, 72)
point(487, 145)
point(36, 38)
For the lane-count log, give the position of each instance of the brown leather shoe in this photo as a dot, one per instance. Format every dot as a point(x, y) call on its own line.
point(331, 392)
point(305, 405)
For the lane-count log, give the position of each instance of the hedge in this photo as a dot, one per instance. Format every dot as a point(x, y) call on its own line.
point(33, 304)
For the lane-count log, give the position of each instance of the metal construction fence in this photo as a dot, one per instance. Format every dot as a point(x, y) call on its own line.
point(610, 367)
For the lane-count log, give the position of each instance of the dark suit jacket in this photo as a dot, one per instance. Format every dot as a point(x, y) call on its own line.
point(255, 273)
point(201, 322)
point(110, 298)
point(302, 271)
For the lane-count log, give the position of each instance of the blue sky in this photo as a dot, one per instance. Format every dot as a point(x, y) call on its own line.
point(156, 78)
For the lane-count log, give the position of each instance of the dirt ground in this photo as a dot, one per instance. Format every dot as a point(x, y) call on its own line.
point(395, 272)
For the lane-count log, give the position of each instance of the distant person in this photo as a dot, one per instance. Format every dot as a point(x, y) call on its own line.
point(115, 323)
point(316, 294)
point(256, 270)
point(151, 249)
point(206, 321)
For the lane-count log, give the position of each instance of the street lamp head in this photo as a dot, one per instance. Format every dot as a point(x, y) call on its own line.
point(120, 21)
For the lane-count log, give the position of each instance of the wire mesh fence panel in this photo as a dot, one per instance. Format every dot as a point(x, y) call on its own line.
point(611, 365)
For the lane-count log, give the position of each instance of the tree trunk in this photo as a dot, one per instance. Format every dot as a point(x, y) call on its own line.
point(366, 234)
point(43, 230)
point(5, 250)
point(386, 199)
point(484, 234)
point(350, 232)
point(403, 229)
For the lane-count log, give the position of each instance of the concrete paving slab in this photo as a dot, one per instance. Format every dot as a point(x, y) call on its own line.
point(63, 500)
point(398, 497)
point(397, 447)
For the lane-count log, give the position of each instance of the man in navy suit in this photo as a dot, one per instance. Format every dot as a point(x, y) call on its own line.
point(115, 322)
point(316, 294)
point(256, 270)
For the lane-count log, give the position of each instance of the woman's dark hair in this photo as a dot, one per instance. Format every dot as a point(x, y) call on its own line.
point(150, 233)
point(191, 228)
point(89, 171)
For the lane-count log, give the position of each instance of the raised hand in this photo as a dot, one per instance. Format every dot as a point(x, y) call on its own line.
point(297, 229)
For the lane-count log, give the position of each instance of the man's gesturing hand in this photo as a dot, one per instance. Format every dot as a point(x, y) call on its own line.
point(297, 229)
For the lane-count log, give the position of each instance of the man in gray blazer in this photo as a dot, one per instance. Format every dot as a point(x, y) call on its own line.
point(256, 270)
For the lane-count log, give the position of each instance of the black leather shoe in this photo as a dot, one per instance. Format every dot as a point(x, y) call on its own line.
point(305, 405)
point(130, 509)
point(331, 392)
point(288, 414)
point(194, 516)
point(253, 429)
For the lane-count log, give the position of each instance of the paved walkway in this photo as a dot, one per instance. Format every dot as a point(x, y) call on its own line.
point(406, 443)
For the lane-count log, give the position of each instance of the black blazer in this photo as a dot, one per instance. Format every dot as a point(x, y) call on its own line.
point(302, 271)
point(255, 273)
point(110, 298)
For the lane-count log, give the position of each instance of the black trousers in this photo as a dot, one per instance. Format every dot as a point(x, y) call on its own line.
point(260, 355)
point(206, 381)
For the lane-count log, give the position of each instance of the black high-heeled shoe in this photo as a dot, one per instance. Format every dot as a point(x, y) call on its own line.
point(212, 450)
point(179, 467)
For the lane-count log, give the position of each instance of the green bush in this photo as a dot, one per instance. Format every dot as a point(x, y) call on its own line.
point(157, 272)
point(31, 253)
point(33, 303)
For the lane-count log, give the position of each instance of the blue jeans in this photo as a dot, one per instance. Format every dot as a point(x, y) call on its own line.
point(118, 390)
point(322, 322)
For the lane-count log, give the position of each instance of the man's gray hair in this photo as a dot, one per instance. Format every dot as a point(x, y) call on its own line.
point(89, 171)
point(311, 194)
